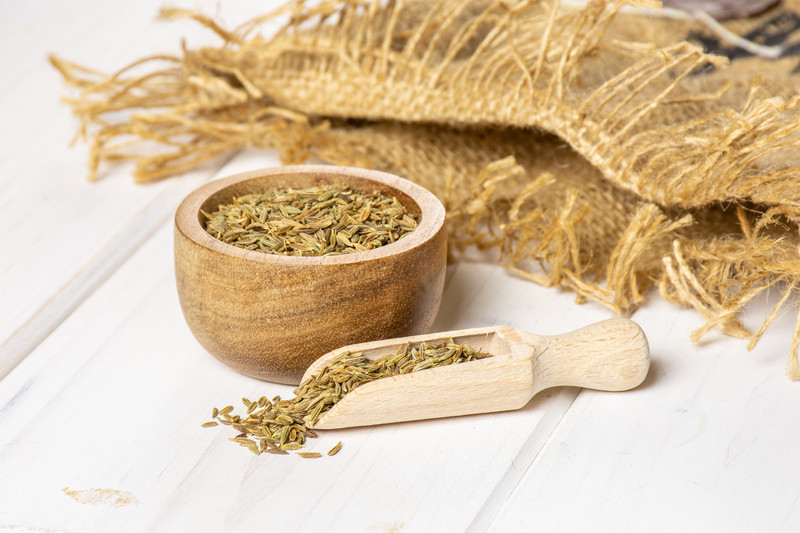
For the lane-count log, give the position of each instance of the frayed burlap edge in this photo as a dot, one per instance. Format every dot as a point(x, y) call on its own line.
point(546, 230)
point(209, 102)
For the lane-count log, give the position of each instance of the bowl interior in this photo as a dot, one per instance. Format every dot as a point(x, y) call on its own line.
point(295, 180)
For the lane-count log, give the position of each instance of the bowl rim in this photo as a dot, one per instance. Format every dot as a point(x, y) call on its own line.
point(431, 209)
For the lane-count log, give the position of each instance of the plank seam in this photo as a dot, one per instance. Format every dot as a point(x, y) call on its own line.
point(524, 460)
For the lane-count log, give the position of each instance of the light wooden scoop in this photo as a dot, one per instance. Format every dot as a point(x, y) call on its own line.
point(611, 355)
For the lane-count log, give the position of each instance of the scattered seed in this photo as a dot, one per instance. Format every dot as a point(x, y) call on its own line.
point(276, 451)
point(280, 426)
point(335, 449)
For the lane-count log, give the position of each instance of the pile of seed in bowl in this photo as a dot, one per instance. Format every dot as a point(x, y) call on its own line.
point(278, 426)
point(315, 221)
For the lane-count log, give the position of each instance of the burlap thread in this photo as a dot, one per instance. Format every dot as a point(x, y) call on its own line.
point(593, 149)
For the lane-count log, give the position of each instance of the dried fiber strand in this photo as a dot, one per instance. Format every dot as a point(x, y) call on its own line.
point(587, 159)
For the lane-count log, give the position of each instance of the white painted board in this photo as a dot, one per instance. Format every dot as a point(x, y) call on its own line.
point(708, 443)
point(113, 399)
point(109, 388)
point(71, 234)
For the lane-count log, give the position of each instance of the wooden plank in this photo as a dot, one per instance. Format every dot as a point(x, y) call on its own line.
point(114, 389)
point(113, 399)
point(33, 29)
point(72, 234)
point(709, 443)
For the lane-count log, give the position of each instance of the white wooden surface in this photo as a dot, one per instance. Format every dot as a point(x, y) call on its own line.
point(103, 386)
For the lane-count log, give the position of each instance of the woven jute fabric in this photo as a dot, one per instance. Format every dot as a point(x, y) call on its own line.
point(607, 149)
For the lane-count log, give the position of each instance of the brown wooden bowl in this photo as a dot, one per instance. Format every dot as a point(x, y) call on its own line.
point(270, 316)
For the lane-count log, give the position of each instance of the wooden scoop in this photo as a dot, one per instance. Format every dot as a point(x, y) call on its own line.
point(611, 355)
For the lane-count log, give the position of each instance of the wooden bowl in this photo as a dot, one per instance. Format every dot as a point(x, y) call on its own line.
point(270, 316)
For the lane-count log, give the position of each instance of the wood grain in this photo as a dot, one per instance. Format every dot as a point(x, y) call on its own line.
point(611, 355)
point(114, 399)
point(707, 443)
point(111, 386)
point(270, 316)
point(91, 228)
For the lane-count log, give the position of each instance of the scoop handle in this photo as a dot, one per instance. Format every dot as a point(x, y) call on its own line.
point(611, 355)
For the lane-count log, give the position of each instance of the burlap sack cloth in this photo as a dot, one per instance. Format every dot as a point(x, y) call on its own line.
point(597, 149)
